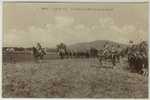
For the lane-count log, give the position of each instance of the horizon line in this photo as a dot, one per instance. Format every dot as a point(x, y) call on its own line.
point(71, 44)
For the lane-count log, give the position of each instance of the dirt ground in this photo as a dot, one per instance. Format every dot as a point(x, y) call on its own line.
point(72, 78)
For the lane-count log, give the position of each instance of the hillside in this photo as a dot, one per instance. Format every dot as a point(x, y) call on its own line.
point(98, 44)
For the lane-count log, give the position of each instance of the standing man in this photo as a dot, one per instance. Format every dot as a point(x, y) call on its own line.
point(113, 55)
point(118, 53)
point(105, 50)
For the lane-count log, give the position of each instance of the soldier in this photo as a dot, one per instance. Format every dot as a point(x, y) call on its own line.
point(100, 56)
point(113, 50)
point(41, 52)
point(113, 55)
point(130, 48)
point(118, 53)
point(105, 50)
point(38, 46)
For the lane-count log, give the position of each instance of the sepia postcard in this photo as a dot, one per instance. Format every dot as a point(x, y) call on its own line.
point(75, 50)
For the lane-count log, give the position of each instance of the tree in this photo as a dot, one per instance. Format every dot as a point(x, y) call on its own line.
point(93, 52)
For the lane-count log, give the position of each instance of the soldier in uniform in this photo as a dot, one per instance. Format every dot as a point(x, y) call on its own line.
point(113, 55)
point(118, 53)
point(40, 50)
point(39, 47)
point(130, 48)
point(105, 50)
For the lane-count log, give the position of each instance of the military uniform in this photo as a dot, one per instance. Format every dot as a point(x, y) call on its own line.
point(113, 53)
point(105, 50)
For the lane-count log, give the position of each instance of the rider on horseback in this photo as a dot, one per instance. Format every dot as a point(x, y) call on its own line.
point(38, 52)
point(105, 50)
point(40, 49)
point(113, 55)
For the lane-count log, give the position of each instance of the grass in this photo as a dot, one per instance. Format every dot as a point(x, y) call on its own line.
point(71, 78)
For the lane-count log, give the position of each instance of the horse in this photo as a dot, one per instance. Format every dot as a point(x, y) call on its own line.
point(137, 59)
point(61, 53)
point(38, 54)
point(109, 56)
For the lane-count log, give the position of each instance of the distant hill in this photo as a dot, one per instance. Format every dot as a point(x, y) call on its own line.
point(98, 44)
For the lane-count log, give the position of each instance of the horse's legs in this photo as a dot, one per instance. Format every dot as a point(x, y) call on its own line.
point(118, 58)
point(61, 56)
point(100, 60)
point(113, 62)
point(113, 58)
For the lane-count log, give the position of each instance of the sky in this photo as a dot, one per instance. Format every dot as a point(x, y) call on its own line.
point(25, 24)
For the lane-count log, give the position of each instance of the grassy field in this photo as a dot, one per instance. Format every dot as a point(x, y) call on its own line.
point(72, 78)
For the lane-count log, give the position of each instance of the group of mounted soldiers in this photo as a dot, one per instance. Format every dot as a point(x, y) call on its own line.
point(64, 52)
point(110, 52)
point(136, 54)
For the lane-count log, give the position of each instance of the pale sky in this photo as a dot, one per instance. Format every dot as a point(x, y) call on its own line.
point(25, 24)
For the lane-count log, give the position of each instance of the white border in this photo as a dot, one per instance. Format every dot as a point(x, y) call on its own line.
point(1, 1)
point(79, 0)
point(1, 48)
